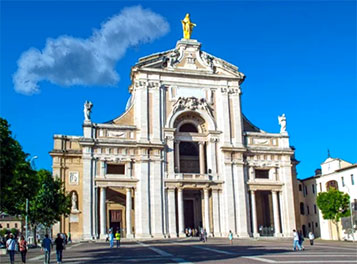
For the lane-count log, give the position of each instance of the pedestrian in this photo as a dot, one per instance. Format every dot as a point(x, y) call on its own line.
point(59, 242)
point(230, 237)
point(204, 235)
point(111, 238)
point(117, 237)
point(301, 239)
point(11, 247)
point(69, 237)
point(106, 237)
point(311, 237)
point(46, 246)
point(23, 248)
point(296, 240)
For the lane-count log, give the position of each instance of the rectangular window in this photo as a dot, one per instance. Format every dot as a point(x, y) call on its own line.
point(15, 225)
point(308, 209)
point(300, 188)
point(305, 187)
point(315, 211)
point(316, 225)
point(343, 182)
point(320, 187)
point(355, 204)
point(262, 174)
point(313, 188)
point(115, 169)
point(352, 180)
point(309, 225)
point(8, 225)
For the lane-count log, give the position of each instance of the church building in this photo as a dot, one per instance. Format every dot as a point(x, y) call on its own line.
point(182, 155)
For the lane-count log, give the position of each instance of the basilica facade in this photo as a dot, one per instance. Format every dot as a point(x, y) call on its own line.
point(181, 156)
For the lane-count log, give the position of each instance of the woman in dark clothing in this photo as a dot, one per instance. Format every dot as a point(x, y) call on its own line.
point(23, 248)
point(59, 248)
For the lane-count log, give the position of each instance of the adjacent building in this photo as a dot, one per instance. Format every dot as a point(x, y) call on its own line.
point(340, 175)
point(182, 155)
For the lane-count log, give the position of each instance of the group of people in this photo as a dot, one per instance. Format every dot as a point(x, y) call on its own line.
point(299, 240)
point(110, 237)
point(13, 245)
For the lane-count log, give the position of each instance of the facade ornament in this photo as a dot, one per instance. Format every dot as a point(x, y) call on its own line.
point(87, 110)
point(74, 202)
point(173, 57)
point(187, 26)
point(209, 60)
point(282, 123)
point(192, 103)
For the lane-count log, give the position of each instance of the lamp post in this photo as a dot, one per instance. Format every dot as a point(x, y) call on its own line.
point(27, 204)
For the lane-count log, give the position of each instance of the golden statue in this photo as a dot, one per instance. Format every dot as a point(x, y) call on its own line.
point(187, 26)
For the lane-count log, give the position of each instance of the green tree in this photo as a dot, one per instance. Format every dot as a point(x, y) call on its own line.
point(50, 202)
point(334, 205)
point(17, 179)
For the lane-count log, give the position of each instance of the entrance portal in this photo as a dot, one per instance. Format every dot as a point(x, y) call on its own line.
point(264, 207)
point(115, 220)
point(192, 208)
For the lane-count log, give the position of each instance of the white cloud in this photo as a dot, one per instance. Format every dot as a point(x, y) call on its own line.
point(70, 61)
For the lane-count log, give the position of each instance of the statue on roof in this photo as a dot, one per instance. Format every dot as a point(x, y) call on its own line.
point(282, 123)
point(87, 110)
point(187, 26)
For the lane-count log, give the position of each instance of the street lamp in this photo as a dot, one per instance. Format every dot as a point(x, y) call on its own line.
point(27, 203)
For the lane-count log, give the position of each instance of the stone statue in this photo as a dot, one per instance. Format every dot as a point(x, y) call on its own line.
point(282, 123)
point(87, 110)
point(187, 26)
point(74, 202)
point(173, 57)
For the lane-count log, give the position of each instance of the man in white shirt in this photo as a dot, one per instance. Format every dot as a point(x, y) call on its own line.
point(296, 240)
point(11, 248)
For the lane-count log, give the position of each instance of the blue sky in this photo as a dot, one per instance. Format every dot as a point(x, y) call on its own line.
point(299, 59)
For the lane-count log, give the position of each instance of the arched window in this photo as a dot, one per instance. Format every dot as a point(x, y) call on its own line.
point(302, 208)
point(331, 184)
point(188, 127)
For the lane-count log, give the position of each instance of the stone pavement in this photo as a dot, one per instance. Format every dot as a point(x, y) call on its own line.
point(190, 250)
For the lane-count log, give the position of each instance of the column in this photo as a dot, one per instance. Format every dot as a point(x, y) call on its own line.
point(202, 157)
point(128, 207)
point(177, 156)
point(171, 212)
point(96, 212)
point(254, 215)
point(206, 198)
point(170, 156)
point(216, 213)
point(181, 216)
point(103, 213)
point(276, 214)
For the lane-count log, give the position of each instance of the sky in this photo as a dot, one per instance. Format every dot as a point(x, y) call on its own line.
point(299, 58)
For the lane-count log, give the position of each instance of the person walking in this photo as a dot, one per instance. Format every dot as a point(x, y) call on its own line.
point(230, 237)
point(59, 242)
point(23, 248)
point(311, 237)
point(46, 247)
point(204, 235)
point(111, 238)
point(69, 237)
point(11, 248)
point(117, 238)
point(301, 239)
point(296, 240)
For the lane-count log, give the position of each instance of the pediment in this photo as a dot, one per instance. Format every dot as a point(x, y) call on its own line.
point(188, 57)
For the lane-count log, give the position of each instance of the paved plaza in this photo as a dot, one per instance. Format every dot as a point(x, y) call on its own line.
point(190, 250)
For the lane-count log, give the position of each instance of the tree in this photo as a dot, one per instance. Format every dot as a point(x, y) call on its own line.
point(17, 179)
point(334, 205)
point(50, 202)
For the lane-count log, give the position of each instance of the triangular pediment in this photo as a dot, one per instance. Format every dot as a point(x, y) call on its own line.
point(188, 57)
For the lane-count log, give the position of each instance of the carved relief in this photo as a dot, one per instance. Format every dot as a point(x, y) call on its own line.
point(117, 134)
point(73, 177)
point(192, 103)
